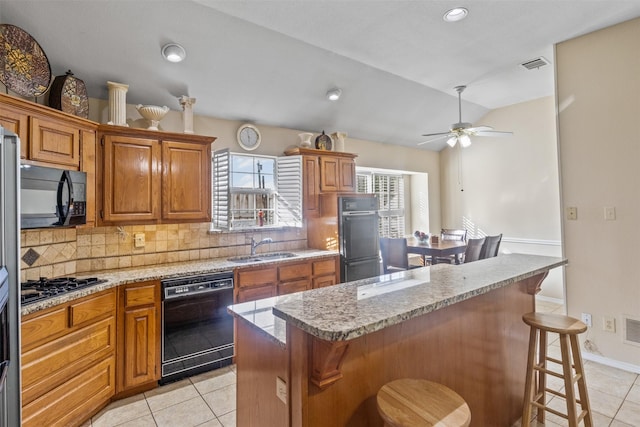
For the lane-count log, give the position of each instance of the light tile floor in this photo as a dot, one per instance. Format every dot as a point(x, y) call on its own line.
point(208, 400)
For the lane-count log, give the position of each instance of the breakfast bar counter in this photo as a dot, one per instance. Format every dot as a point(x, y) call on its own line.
point(328, 351)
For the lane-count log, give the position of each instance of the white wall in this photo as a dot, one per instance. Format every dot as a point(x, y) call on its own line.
point(598, 95)
point(509, 185)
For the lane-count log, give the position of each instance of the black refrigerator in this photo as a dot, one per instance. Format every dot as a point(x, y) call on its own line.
point(10, 409)
point(358, 235)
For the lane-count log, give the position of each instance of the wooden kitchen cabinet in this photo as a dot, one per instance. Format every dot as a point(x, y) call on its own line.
point(68, 360)
point(324, 172)
point(138, 348)
point(253, 283)
point(153, 177)
point(337, 174)
point(48, 137)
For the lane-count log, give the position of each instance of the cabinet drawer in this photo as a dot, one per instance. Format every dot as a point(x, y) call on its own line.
point(295, 286)
point(256, 293)
point(324, 281)
point(326, 266)
point(75, 400)
point(43, 326)
point(51, 364)
point(294, 271)
point(257, 277)
point(140, 295)
point(92, 309)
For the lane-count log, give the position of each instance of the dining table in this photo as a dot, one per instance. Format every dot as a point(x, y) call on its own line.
point(434, 250)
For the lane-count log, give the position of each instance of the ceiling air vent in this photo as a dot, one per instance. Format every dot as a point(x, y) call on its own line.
point(535, 63)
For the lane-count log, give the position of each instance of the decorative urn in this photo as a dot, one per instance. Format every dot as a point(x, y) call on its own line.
point(152, 113)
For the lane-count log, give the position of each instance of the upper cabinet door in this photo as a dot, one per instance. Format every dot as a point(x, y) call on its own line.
point(131, 179)
point(17, 122)
point(186, 181)
point(347, 179)
point(54, 142)
point(329, 174)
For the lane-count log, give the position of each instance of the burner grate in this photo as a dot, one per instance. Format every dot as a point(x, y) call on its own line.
point(43, 288)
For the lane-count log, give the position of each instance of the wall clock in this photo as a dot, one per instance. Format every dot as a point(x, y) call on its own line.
point(249, 137)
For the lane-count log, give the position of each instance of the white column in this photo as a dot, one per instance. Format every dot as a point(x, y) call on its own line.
point(117, 104)
point(187, 116)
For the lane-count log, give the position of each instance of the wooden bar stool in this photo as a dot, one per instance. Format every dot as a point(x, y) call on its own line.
point(412, 402)
point(535, 391)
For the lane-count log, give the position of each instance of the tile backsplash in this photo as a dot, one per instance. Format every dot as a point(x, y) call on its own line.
point(71, 251)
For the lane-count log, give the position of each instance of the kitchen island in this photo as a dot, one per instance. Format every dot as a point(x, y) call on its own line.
point(318, 358)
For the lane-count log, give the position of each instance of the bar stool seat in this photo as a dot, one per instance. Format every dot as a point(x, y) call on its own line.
point(412, 402)
point(568, 329)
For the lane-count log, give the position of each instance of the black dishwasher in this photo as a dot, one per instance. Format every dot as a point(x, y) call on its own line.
point(197, 330)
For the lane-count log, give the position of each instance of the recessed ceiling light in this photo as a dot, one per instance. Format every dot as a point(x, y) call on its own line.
point(334, 94)
point(455, 14)
point(173, 52)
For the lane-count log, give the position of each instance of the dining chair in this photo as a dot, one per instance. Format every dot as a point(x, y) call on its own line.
point(395, 256)
point(491, 246)
point(474, 246)
point(453, 234)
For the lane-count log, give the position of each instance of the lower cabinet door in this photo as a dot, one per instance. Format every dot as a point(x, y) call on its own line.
point(139, 361)
point(71, 403)
point(323, 281)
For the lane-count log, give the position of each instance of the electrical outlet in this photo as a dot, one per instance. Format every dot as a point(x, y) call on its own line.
point(586, 319)
point(572, 213)
point(281, 389)
point(610, 213)
point(609, 324)
point(138, 240)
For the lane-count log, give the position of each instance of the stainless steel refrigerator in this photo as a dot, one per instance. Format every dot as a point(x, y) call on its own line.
point(10, 407)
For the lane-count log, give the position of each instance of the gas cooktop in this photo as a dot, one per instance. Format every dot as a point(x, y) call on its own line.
point(43, 288)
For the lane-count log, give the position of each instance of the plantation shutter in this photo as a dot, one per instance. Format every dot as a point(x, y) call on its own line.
point(220, 197)
point(289, 194)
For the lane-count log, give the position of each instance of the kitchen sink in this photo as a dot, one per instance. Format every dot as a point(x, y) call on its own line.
point(245, 259)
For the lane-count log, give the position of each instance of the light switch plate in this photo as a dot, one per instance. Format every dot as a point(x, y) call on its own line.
point(610, 213)
point(281, 390)
point(138, 240)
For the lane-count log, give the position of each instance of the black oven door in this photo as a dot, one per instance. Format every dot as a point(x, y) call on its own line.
point(359, 235)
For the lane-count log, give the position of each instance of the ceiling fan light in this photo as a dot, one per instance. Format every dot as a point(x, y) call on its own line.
point(465, 141)
point(452, 141)
point(173, 52)
point(455, 14)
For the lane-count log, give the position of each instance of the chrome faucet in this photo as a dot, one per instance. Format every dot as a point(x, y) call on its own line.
point(254, 244)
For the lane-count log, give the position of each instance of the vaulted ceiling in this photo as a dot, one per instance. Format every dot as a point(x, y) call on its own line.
point(271, 62)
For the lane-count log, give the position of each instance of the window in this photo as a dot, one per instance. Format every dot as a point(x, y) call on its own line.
point(250, 191)
point(390, 191)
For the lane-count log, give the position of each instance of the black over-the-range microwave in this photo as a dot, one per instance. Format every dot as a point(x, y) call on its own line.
point(52, 197)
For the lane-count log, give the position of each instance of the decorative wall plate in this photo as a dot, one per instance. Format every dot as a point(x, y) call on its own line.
point(69, 94)
point(24, 68)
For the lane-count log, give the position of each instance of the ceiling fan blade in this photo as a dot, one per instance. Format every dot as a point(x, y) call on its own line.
point(493, 133)
point(437, 138)
point(478, 129)
point(437, 134)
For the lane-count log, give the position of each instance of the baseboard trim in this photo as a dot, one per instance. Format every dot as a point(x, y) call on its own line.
point(611, 362)
point(532, 241)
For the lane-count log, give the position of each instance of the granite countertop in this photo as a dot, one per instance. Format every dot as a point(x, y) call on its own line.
point(350, 310)
point(139, 274)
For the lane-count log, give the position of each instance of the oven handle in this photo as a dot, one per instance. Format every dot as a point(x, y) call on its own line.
point(196, 292)
point(359, 213)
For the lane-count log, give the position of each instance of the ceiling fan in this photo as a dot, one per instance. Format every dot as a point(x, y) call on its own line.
point(462, 131)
